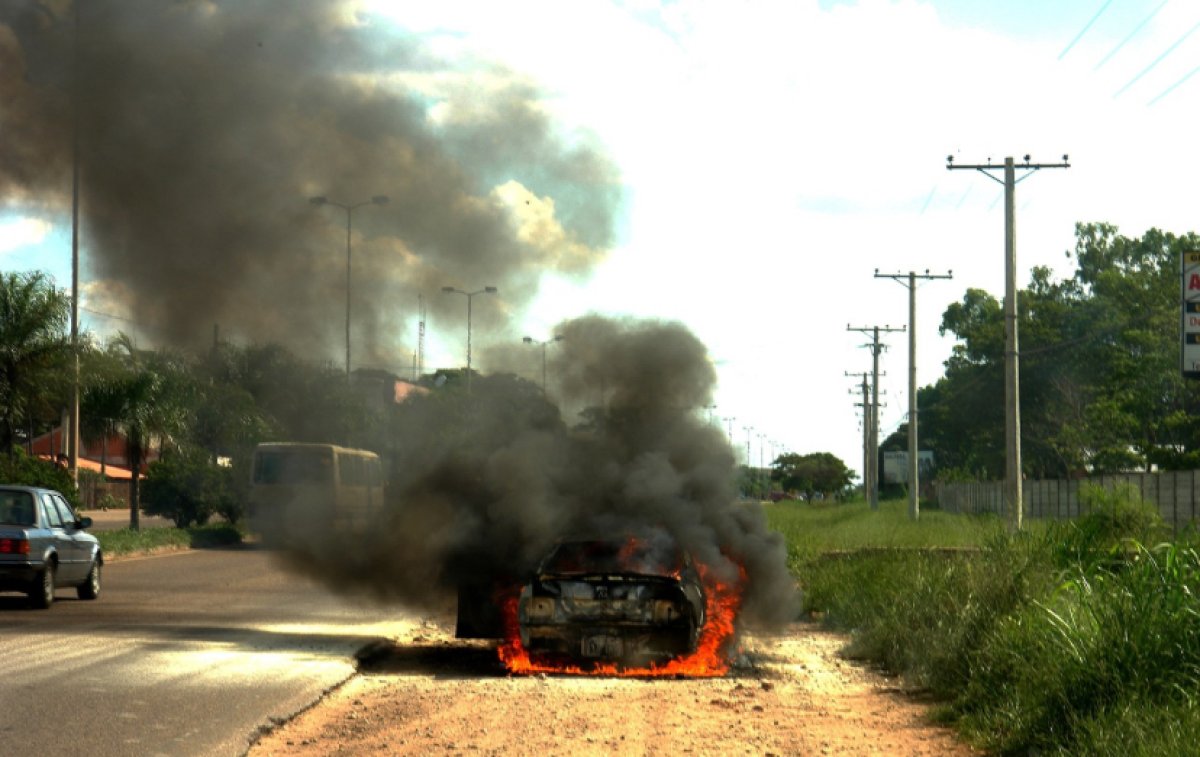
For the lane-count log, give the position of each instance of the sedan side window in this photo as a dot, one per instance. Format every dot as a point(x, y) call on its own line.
point(64, 510)
point(50, 513)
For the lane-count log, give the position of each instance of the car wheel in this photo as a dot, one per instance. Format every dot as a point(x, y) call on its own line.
point(90, 588)
point(41, 595)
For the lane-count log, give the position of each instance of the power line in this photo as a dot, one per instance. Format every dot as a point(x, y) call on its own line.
point(1172, 88)
point(1130, 36)
point(1158, 60)
point(1083, 31)
point(108, 315)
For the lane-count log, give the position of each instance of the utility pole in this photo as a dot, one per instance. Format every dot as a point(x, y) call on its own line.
point(914, 481)
point(419, 370)
point(762, 464)
point(1012, 369)
point(749, 460)
point(866, 406)
point(73, 422)
point(876, 348)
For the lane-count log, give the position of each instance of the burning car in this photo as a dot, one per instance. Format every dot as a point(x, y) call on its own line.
point(630, 601)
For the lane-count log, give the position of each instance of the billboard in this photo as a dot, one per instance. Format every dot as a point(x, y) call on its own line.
point(895, 466)
point(1190, 315)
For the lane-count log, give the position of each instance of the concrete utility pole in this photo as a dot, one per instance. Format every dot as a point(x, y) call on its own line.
point(1012, 370)
point(865, 405)
point(914, 481)
point(876, 348)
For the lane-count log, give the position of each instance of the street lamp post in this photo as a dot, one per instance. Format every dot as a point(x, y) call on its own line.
point(531, 340)
point(376, 200)
point(470, 296)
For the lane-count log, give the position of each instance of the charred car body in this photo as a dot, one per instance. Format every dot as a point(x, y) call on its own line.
point(631, 601)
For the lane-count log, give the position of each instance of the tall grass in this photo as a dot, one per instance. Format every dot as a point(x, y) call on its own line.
point(1078, 638)
point(815, 529)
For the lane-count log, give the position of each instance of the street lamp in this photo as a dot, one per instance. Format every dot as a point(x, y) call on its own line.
point(531, 340)
point(376, 200)
point(470, 296)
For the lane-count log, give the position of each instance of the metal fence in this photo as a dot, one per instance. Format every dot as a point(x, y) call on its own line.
point(92, 492)
point(1173, 492)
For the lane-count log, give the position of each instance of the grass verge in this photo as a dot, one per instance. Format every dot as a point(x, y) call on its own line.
point(126, 541)
point(1073, 638)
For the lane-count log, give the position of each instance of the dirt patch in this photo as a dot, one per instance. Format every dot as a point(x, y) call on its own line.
point(789, 694)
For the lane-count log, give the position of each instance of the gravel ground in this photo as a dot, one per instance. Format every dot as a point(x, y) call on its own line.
point(788, 694)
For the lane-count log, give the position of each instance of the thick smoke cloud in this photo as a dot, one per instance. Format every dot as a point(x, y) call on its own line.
point(206, 125)
point(489, 481)
point(204, 128)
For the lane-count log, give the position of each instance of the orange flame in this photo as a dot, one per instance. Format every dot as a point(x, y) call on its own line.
point(711, 658)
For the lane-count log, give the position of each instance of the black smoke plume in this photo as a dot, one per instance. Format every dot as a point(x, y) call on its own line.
point(205, 126)
point(488, 481)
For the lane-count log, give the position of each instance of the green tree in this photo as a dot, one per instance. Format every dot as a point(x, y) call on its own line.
point(1101, 388)
point(815, 473)
point(187, 487)
point(146, 401)
point(34, 349)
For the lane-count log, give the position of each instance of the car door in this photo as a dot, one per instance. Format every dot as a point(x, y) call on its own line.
point(80, 546)
point(61, 538)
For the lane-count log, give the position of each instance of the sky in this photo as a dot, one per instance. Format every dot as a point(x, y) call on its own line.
point(773, 155)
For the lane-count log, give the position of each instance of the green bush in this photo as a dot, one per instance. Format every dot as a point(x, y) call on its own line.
point(1115, 520)
point(188, 488)
point(20, 469)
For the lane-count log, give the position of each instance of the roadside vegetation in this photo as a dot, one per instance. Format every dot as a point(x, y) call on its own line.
point(128, 541)
point(1078, 637)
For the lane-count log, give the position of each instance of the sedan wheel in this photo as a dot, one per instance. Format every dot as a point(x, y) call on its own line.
point(90, 588)
point(41, 595)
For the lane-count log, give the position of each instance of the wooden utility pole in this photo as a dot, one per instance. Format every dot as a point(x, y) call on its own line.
point(1012, 370)
point(914, 481)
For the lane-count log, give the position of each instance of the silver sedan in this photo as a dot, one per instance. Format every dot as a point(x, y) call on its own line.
point(43, 546)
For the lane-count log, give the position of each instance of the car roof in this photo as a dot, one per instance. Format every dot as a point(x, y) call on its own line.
point(22, 488)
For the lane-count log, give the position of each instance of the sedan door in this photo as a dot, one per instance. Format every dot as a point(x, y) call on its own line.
point(61, 522)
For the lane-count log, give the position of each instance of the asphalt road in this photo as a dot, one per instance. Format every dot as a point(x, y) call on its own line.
point(187, 653)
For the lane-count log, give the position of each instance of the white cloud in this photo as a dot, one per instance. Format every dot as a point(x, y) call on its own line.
point(777, 154)
point(23, 232)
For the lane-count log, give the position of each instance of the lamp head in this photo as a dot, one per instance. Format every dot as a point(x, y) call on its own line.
point(318, 200)
point(449, 289)
point(380, 199)
point(490, 290)
point(527, 340)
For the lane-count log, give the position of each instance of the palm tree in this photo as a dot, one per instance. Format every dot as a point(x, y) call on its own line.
point(146, 402)
point(34, 346)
